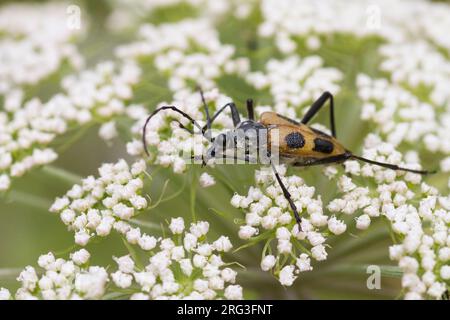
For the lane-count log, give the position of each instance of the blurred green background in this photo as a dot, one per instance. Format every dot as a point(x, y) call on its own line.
point(27, 229)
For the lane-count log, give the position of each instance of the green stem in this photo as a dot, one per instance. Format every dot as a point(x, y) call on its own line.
point(75, 137)
point(355, 245)
point(146, 224)
point(9, 272)
point(133, 254)
point(61, 174)
point(351, 269)
point(29, 200)
point(193, 193)
point(256, 275)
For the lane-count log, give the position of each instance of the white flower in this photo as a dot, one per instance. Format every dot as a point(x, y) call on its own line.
point(223, 244)
point(336, 226)
point(147, 242)
point(5, 182)
point(408, 264)
point(199, 229)
point(200, 285)
point(396, 252)
point(319, 253)
point(125, 264)
point(80, 257)
point(186, 266)
point(437, 290)
point(82, 238)
point(139, 296)
point(363, 222)
point(246, 232)
point(315, 238)
point(122, 280)
point(4, 294)
point(91, 285)
point(46, 260)
point(445, 272)
point(413, 296)
point(268, 262)
point(233, 292)
point(228, 275)
point(287, 276)
point(236, 200)
point(304, 263)
point(138, 202)
point(145, 279)
point(176, 225)
point(108, 131)
point(283, 234)
point(206, 180)
point(123, 211)
point(284, 246)
point(189, 241)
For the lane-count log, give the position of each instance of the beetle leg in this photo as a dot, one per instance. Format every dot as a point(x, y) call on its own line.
point(287, 195)
point(250, 109)
point(315, 107)
point(234, 115)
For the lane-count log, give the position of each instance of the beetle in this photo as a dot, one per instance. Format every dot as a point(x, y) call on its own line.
point(299, 145)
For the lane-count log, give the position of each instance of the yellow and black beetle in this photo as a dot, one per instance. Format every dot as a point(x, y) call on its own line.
point(298, 144)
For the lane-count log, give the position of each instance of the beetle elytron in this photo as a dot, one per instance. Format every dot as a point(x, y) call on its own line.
point(299, 144)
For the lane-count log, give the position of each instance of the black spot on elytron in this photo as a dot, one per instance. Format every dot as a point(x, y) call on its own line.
point(295, 140)
point(289, 119)
point(322, 145)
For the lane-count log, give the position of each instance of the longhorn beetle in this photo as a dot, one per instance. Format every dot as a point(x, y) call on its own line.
point(299, 144)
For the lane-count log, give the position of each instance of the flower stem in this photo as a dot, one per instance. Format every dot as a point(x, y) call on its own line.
point(146, 224)
point(193, 193)
point(61, 174)
point(9, 272)
point(29, 200)
point(350, 269)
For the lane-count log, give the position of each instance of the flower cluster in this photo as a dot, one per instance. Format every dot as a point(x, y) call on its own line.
point(418, 215)
point(391, 186)
point(410, 106)
point(124, 12)
point(28, 56)
point(61, 279)
point(97, 206)
point(294, 82)
point(423, 252)
point(290, 20)
point(188, 52)
point(170, 145)
point(27, 128)
point(172, 47)
point(184, 266)
point(268, 217)
point(405, 100)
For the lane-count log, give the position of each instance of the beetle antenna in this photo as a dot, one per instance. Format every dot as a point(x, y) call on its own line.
point(390, 166)
point(184, 114)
